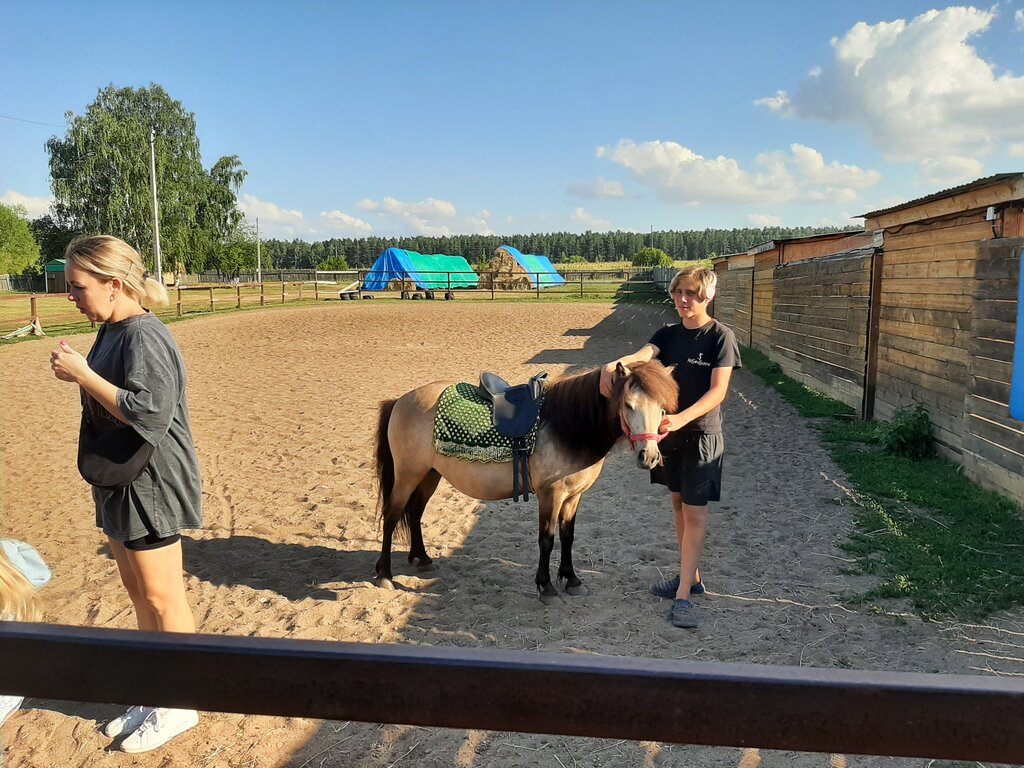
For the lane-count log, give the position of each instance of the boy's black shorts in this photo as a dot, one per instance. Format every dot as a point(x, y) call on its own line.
point(695, 470)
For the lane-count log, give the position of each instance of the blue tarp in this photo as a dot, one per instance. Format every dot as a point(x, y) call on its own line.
point(431, 272)
point(533, 264)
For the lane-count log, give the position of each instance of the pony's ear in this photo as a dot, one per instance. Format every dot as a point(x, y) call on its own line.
point(670, 369)
point(621, 371)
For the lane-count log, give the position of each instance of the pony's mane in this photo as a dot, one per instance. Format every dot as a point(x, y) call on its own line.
point(585, 423)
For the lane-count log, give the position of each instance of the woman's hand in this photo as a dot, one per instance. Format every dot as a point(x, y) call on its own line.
point(67, 364)
point(607, 377)
point(672, 422)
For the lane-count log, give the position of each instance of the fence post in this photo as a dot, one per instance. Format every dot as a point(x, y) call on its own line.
point(282, 291)
point(494, 276)
point(581, 283)
point(211, 298)
point(537, 275)
point(179, 301)
point(263, 298)
point(316, 290)
point(300, 290)
point(33, 308)
point(238, 296)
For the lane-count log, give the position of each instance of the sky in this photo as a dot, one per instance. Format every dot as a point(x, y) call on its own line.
point(397, 118)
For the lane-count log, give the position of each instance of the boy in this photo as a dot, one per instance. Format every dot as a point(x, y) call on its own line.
point(704, 353)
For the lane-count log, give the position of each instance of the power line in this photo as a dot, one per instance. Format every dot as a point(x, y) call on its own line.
point(34, 122)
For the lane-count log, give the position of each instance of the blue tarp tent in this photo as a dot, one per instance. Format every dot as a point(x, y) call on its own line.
point(430, 272)
point(533, 264)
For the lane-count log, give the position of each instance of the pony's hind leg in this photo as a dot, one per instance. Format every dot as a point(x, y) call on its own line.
point(566, 534)
point(414, 514)
point(393, 516)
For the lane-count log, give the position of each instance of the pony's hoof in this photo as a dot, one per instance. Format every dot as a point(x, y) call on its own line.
point(576, 591)
point(385, 583)
point(424, 565)
point(549, 599)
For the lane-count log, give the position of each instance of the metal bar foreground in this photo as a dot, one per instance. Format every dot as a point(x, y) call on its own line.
point(742, 705)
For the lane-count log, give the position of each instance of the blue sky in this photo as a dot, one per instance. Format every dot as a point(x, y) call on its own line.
point(403, 118)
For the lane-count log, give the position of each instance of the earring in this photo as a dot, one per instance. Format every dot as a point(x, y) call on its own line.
point(111, 297)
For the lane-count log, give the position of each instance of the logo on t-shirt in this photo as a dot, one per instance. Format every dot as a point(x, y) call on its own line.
point(699, 361)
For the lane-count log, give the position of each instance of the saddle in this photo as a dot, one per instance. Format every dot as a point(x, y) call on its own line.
point(515, 411)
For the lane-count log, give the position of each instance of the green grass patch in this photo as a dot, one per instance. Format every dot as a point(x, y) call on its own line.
point(930, 535)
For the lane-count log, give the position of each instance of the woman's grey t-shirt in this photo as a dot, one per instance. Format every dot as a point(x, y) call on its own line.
point(140, 357)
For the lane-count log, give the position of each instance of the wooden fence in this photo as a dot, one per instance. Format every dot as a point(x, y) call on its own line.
point(742, 705)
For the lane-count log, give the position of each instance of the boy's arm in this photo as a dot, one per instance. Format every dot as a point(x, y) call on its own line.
point(708, 402)
point(645, 354)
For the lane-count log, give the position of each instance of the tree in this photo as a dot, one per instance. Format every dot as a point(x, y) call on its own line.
point(100, 176)
point(334, 263)
point(53, 239)
point(651, 257)
point(19, 251)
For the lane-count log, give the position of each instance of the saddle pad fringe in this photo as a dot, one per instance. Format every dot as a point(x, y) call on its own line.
point(464, 429)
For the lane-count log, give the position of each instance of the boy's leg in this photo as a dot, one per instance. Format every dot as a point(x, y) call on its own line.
point(691, 531)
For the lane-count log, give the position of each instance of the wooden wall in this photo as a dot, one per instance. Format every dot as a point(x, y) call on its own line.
point(993, 441)
point(819, 327)
point(925, 321)
point(732, 302)
point(763, 287)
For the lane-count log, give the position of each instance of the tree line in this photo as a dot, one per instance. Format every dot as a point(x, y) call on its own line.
point(100, 177)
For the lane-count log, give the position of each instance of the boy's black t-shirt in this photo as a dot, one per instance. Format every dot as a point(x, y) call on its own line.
point(695, 353)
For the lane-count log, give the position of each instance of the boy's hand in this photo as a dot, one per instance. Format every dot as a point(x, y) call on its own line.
point(607, 377)
point(672, 422)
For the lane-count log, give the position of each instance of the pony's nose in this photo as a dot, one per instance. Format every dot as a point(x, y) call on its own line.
point(649, 457)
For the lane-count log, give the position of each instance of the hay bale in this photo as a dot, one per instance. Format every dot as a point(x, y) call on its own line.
point(400, 284)
point(505, 273)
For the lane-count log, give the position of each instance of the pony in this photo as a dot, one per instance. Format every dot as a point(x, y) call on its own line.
point(577, 429)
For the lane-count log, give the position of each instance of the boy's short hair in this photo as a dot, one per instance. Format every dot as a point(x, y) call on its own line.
point(705, 279)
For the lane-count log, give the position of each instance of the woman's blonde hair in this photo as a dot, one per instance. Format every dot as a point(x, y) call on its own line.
point(17, 595)
point(705, 279)
point(107, 257)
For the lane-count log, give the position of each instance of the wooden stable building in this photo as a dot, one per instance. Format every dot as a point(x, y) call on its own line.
point(919, 309)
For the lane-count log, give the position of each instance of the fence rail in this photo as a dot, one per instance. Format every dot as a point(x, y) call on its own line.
point(743, 705)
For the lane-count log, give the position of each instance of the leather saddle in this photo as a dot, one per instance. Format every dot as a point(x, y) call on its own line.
point(516, 409)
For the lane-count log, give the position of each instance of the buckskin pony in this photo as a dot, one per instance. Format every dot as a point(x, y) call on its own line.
point(576, 431)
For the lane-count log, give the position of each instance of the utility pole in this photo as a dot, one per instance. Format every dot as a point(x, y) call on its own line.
point(156, 210)
point(259, 263)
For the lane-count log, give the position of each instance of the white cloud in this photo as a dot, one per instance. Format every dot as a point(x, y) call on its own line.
point(343, 224)
point(679, 175)
point(763, 220)
point(600, 188)
point(949, 170)
point(591, 222)
point(1017, 150)
point(1018, 21)
point(918, 88)
point(431, 217)
point(34, 206)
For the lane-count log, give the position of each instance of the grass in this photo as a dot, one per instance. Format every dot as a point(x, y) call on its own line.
point(931, 536)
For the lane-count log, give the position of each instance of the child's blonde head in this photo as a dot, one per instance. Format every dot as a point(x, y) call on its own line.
point(17, 596)
point(705, 280)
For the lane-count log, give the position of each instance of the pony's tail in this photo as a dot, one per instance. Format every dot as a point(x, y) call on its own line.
point(385, 461)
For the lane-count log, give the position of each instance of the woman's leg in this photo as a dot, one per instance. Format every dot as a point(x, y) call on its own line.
point(160, 587)
point(144, 616)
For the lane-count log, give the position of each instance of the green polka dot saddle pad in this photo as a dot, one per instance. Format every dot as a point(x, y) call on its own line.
point(463, 427)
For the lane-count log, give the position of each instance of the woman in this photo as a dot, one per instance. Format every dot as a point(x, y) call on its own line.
point(134, 376)
point(22, 572)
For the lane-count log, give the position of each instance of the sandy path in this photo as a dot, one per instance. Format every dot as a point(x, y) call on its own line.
point(283, 402)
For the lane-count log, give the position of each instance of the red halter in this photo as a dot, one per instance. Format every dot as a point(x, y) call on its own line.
point(634, 439)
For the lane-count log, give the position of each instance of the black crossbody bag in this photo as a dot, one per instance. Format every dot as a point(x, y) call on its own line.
point(111, 459)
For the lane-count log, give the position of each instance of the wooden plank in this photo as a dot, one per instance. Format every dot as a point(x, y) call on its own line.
point(951, 371)
point(912, 299)
point(933, 333)
point(998, 436)
point(994, 329)
point(942, 352)
point(798, 329)
point(997, 415)
point(972, 199)
point(822, 370)
point(1003, 310)
point(924, 253)
point(990, 475)
point(932, 286)
point(996, 391)
point(992, 350)
point(997, 370)
point(965, 232)
point(934, 317)
point(1004, 266)
point(929, 269)
point(853, 323)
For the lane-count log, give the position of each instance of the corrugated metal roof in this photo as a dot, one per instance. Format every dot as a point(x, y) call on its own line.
point(988, 181)
point(853, 252)
point(769, 244)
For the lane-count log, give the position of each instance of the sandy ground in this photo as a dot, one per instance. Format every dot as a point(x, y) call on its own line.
point(283, 402)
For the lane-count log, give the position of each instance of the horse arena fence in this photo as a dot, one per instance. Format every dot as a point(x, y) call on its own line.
point(56, 315)
point(955, 717)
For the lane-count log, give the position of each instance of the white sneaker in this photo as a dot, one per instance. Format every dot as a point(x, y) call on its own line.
point(8, 706)
point(126, 722)
point(159, 727)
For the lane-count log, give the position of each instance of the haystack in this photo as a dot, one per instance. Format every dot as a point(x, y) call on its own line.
point(398, 284)
point(506, 273)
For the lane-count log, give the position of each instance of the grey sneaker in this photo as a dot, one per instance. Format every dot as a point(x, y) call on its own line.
point(683, 615)
point(669, 587)
point(159, 727)
point(127, 722)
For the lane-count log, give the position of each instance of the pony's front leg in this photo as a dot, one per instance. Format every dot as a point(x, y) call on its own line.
point(546, 541)
point(383, 567)
point(566, 534)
